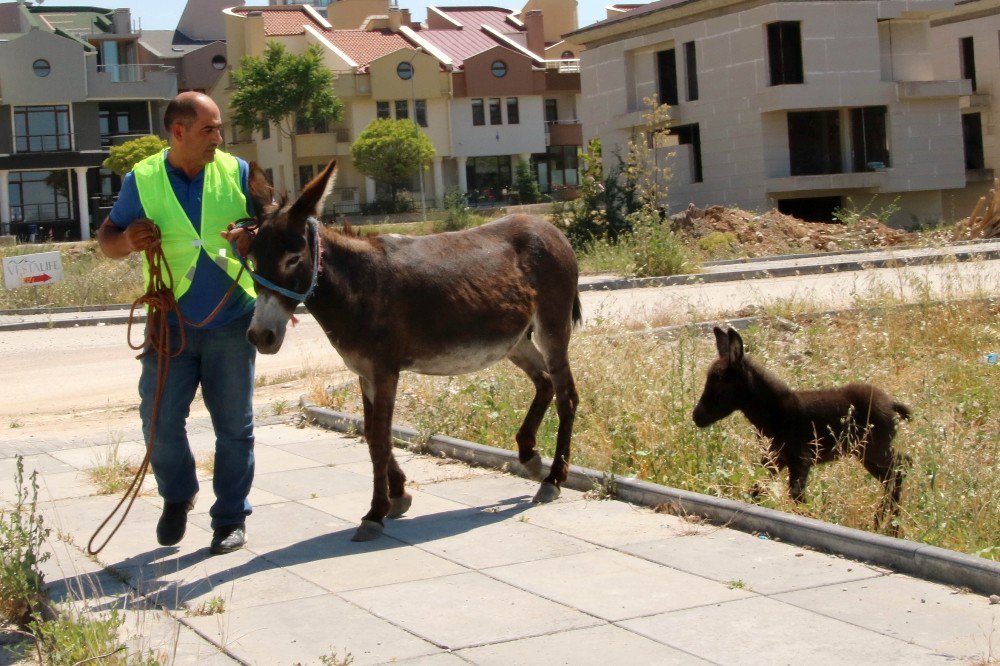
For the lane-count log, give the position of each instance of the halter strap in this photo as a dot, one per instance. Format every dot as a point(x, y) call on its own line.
point(264, 282)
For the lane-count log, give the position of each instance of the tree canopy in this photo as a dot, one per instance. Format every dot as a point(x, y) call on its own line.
point(121, 159)
point(279, 87)
point(392, 151)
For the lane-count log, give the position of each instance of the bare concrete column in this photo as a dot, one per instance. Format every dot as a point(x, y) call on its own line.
point(438, 180)
point(81, 203)
point(4, 203)
point(463, 183)
point(369, 189)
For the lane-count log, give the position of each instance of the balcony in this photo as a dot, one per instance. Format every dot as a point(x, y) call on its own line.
point(563, 133)
point(323, 145)
point(130, 81)
point(932, 89)
point(865, 180)
point(567, 66)
point(108, 140)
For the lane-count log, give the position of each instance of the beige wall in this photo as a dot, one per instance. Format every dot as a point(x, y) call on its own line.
point(350, 14)
point(743, 119)
point(67, 81)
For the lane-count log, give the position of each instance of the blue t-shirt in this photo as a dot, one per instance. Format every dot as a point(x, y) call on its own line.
point(210, 282)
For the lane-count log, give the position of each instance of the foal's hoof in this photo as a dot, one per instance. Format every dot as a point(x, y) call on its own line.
point(368, 530)
point(533, 467)
point(546, 493)
point(399, 505)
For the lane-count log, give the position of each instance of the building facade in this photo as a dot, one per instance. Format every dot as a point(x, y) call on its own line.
point(478, 81)
point(794, 105)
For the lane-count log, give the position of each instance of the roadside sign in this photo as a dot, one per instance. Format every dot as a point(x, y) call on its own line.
point(32, 270)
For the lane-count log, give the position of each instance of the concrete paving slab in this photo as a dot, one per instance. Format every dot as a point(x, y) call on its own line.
point(333, 450)
point(467, 610)
point(99, 453)
point(169, 640)
point(492, 489)
point(305, 629)
point(609, 523)
point(440, 659)
point(64, 485)
point(423, 470)
point(614, 586)
point(593, 646)
point(277, 525)
point(311, 482)
point(760, 630)
point(352, 506)
point(912, 610)
point(43, 463)
point(763, 566)
point(270, 459)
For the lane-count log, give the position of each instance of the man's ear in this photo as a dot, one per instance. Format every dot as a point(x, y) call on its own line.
point(261, 192)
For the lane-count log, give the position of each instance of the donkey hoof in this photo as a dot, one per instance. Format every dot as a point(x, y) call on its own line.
point(399, 505)
point(533, 466)
point(368, 530)
point(546, 493)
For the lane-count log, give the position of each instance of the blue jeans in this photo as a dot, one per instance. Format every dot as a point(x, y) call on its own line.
point(222, 361)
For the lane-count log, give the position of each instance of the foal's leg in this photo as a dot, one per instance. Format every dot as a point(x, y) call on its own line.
point(380, 394)
point(552, 339)
point(769, 461)
point(798, 475)
point(526, 356)
point(891, 475)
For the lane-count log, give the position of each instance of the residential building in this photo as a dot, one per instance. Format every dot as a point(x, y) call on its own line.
point(794, 105)
point(477, 80)
point(966, 45)
point(71, 86)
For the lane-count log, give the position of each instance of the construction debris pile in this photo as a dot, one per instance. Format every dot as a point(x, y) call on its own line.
point(720, 230)
point(985, 219)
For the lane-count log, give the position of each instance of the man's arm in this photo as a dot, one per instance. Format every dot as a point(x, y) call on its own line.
point(118, 243)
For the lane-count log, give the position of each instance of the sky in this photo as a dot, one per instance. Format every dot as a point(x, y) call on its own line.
point(163, 14)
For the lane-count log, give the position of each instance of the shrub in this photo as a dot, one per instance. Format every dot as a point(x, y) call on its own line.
point(22, 534)
point(387, 205)
point(657, 249)
point(525, 185)
point(457, 215)
point(851, 215)
point(719, 244)
point(76, 637)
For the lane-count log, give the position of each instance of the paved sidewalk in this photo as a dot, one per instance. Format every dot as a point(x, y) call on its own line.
point(474, 573)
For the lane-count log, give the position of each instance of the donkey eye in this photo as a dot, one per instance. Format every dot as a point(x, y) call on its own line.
point(292, 261)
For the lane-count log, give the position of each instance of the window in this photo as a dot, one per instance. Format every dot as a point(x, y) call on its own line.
point(869, 139)
point(666, 74)
point(499, 68)
point(691, 69)
point(303, 126)
point(305, 174)
point(567, 55)
point(402, 109)
point(551, 111)
point(478, 114)
point(381, 109)
point(513, 113)
point(40, 196)
point(967, 60)
point(784, 52)
point(269, 175)
point(265, 131)
point(690, 135)
point(814, 142)
point(420, 112)
point(122, 119)
point(404, 70)
point(41, 68)
point(41, 128)
point(972, 140)
point(219, 62)
point(495, 117)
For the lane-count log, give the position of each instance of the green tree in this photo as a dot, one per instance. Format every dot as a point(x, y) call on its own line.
point(281, 88)
point(525, 184)
point(392, 151)
point(121, 159)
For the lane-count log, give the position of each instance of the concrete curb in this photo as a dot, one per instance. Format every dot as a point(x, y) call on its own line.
point(909, 557)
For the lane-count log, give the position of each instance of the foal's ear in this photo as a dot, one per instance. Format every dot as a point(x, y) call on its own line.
point(721, 342)
point(313, 194)
point(735, 347)
point(261, 192)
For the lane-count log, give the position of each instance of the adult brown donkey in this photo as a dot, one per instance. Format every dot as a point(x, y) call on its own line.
point(444, 304)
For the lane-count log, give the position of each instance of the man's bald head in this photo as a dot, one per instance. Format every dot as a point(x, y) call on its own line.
point(184, 109)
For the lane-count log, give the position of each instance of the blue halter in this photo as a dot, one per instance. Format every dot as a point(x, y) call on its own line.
point(264, 282)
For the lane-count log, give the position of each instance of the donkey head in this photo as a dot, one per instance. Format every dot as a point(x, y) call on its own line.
point(282, 253)
point(726, 383)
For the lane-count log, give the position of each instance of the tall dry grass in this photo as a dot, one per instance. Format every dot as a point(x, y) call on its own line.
point(637, 393)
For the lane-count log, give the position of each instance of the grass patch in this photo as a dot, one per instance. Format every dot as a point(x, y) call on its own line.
point(111, 473)
point(214, 606)
point(637, 393)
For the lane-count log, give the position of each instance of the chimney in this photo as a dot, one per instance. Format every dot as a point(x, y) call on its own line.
point(536, 32)
point(398, 17)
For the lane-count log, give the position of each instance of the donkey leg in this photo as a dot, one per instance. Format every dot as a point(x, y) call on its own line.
point(381, 393)
point(527, 357)
point(554, 345)
point(399, 499)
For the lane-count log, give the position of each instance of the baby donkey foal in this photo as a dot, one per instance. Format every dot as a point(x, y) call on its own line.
point(806, 427)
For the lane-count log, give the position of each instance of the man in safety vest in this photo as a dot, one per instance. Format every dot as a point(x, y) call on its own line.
point(191, 192)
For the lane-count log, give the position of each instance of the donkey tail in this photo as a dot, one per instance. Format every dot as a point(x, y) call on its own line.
point(577, 310)
point(901, 409)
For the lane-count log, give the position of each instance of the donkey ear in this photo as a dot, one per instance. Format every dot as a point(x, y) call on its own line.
point(313, 194)
point(721, 342)
point(261, 192)
point(735, 347)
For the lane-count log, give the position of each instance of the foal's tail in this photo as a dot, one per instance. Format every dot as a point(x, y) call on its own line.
point(577, 310)
point(901, 409)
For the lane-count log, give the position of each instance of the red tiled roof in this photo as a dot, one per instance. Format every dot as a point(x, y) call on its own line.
point(283, 20)
point(363, 46)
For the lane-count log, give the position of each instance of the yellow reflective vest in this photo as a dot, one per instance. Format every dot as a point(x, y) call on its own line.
point(222, 202)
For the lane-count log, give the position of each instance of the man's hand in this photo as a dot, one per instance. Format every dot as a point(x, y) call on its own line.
point(241, 236)
point(141, 235)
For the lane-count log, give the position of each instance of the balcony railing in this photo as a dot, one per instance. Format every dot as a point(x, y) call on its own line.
point(47, 212)
point(130, 73)
point(566, 66)
point(43, 143)
point(108, 140)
